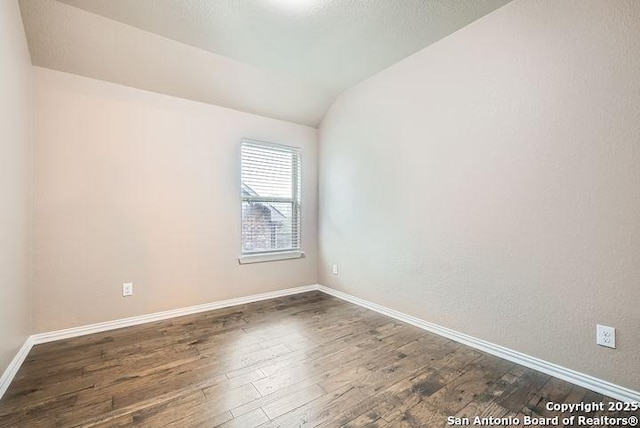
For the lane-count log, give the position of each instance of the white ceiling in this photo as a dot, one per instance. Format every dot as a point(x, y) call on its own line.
point(286, 59)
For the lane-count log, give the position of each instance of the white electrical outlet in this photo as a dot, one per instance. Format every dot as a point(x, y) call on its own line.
point(334, 269)
point(127, 289)
point(606, 336)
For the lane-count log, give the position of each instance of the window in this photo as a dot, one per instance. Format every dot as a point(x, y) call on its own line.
point(270, 201)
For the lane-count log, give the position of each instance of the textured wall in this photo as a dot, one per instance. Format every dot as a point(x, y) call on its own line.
point(136, 186)
point(15, 182)
point(490, 182)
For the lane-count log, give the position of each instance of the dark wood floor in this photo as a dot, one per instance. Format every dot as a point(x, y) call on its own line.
point(302, 360)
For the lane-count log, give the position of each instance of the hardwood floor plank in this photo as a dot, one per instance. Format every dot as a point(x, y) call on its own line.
point(305, 388)
point(292, 401)
point(227, 399)
point(252, 419)
point(522, 390)
point(301, 360)
point(389, 403)
point(201, 417)
point(318, 410)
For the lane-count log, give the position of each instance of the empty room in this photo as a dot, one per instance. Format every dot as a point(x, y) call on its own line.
point(319, 213)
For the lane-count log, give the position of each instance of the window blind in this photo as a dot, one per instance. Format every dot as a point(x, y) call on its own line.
point(270, 197)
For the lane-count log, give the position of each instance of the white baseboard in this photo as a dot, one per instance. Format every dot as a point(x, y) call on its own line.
point(14, 366)
point(68, 333)
point(159, 316)
point(592, 383)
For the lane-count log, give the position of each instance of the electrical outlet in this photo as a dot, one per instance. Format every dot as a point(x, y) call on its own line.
point(127, 289)
point(606, 336)
point(334, 269)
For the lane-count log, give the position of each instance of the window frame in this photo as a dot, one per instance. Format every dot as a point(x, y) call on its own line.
point(295, 200)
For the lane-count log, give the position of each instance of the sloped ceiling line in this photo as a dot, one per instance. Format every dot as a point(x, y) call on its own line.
point(285, 59)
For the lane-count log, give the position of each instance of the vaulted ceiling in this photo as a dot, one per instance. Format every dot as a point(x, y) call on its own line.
point(286, 59)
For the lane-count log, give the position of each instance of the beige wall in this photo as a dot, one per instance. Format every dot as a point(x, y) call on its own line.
point(142, 187)
point(490, 183)
point(15, 182)
point(67, 38)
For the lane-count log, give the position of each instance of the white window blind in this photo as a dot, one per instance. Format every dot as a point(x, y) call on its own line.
point(270, 198)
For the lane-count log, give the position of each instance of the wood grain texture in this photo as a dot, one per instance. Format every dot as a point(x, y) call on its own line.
point(301, 360)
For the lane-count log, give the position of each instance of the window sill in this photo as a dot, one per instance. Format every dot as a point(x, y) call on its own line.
point(270, 257)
